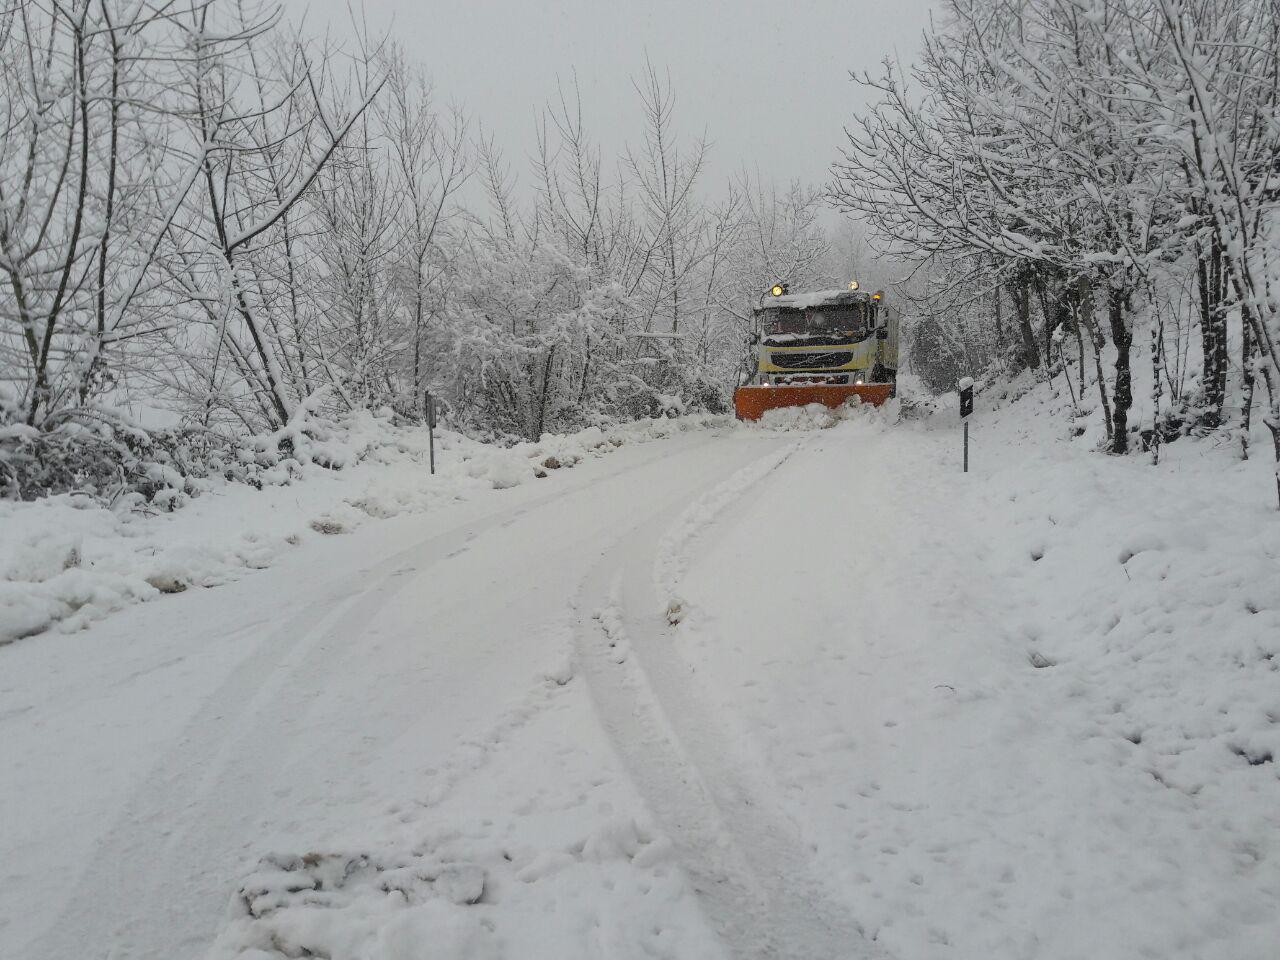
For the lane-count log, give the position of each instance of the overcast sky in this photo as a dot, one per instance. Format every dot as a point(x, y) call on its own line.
point(766, 79)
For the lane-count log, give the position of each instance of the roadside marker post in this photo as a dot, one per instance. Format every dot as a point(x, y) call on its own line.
point(429, 408)
point(965, 387)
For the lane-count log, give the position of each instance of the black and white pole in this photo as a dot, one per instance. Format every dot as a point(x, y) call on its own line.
point(429, 408)
point(965, 388)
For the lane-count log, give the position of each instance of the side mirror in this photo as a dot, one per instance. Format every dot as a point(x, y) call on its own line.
point(755, 339)
point(882, 333)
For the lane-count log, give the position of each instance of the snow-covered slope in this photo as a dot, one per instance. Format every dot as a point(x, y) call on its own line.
point(776, 691)
point(1031, 711)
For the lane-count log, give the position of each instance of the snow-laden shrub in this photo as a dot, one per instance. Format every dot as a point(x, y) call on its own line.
point(100, 454)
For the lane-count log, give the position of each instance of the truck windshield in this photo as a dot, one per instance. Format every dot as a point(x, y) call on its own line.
point(844, 320)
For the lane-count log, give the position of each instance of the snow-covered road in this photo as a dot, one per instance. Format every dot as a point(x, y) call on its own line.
point(184, 739)
point(734, 694)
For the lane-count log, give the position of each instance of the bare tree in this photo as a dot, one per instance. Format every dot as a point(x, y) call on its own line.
point(665, 178)
point(265, 129)
point(430, 164)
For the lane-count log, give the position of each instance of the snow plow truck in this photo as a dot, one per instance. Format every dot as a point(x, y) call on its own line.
point(821, 347)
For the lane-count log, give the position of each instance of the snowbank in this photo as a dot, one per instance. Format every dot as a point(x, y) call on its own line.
point(69, 560)
point(817, 416)
point(1039, 703)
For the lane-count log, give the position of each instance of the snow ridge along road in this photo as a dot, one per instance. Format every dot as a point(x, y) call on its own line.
point(672, 559)
point(745, 859)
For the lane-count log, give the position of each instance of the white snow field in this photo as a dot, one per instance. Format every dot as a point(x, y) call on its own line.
point(739, 692)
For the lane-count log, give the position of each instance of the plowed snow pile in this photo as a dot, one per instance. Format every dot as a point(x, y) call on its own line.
point(817, 416)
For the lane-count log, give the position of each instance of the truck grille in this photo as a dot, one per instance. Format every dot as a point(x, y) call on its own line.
point(831, 379)
point(811, 361)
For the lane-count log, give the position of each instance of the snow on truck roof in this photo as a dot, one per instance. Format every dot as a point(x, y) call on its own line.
point(819, 298)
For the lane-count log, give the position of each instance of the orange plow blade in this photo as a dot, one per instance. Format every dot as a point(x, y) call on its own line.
point(750, 403)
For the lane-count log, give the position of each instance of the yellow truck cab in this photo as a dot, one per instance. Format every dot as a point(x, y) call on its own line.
point(825, 347)
point(828, 337)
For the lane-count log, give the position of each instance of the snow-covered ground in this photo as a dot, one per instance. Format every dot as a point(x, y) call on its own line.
point(67, 561)
point(737, 692)
point(1027, 712)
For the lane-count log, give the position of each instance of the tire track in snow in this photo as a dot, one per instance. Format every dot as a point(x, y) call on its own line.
point(745, 859)
point(672, 560)
point(169, 829)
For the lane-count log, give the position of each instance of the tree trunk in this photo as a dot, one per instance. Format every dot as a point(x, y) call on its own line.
point(1248, 378)
point(999, 324)
point(1155, 392)
point(1020, 293)
point(1272, 420)
point(1122, 337)
point(1080, 350)
point(1085, 317)
point(546, 388)
point(1054, 310)
point(1213, 334)
point(1078, 291)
